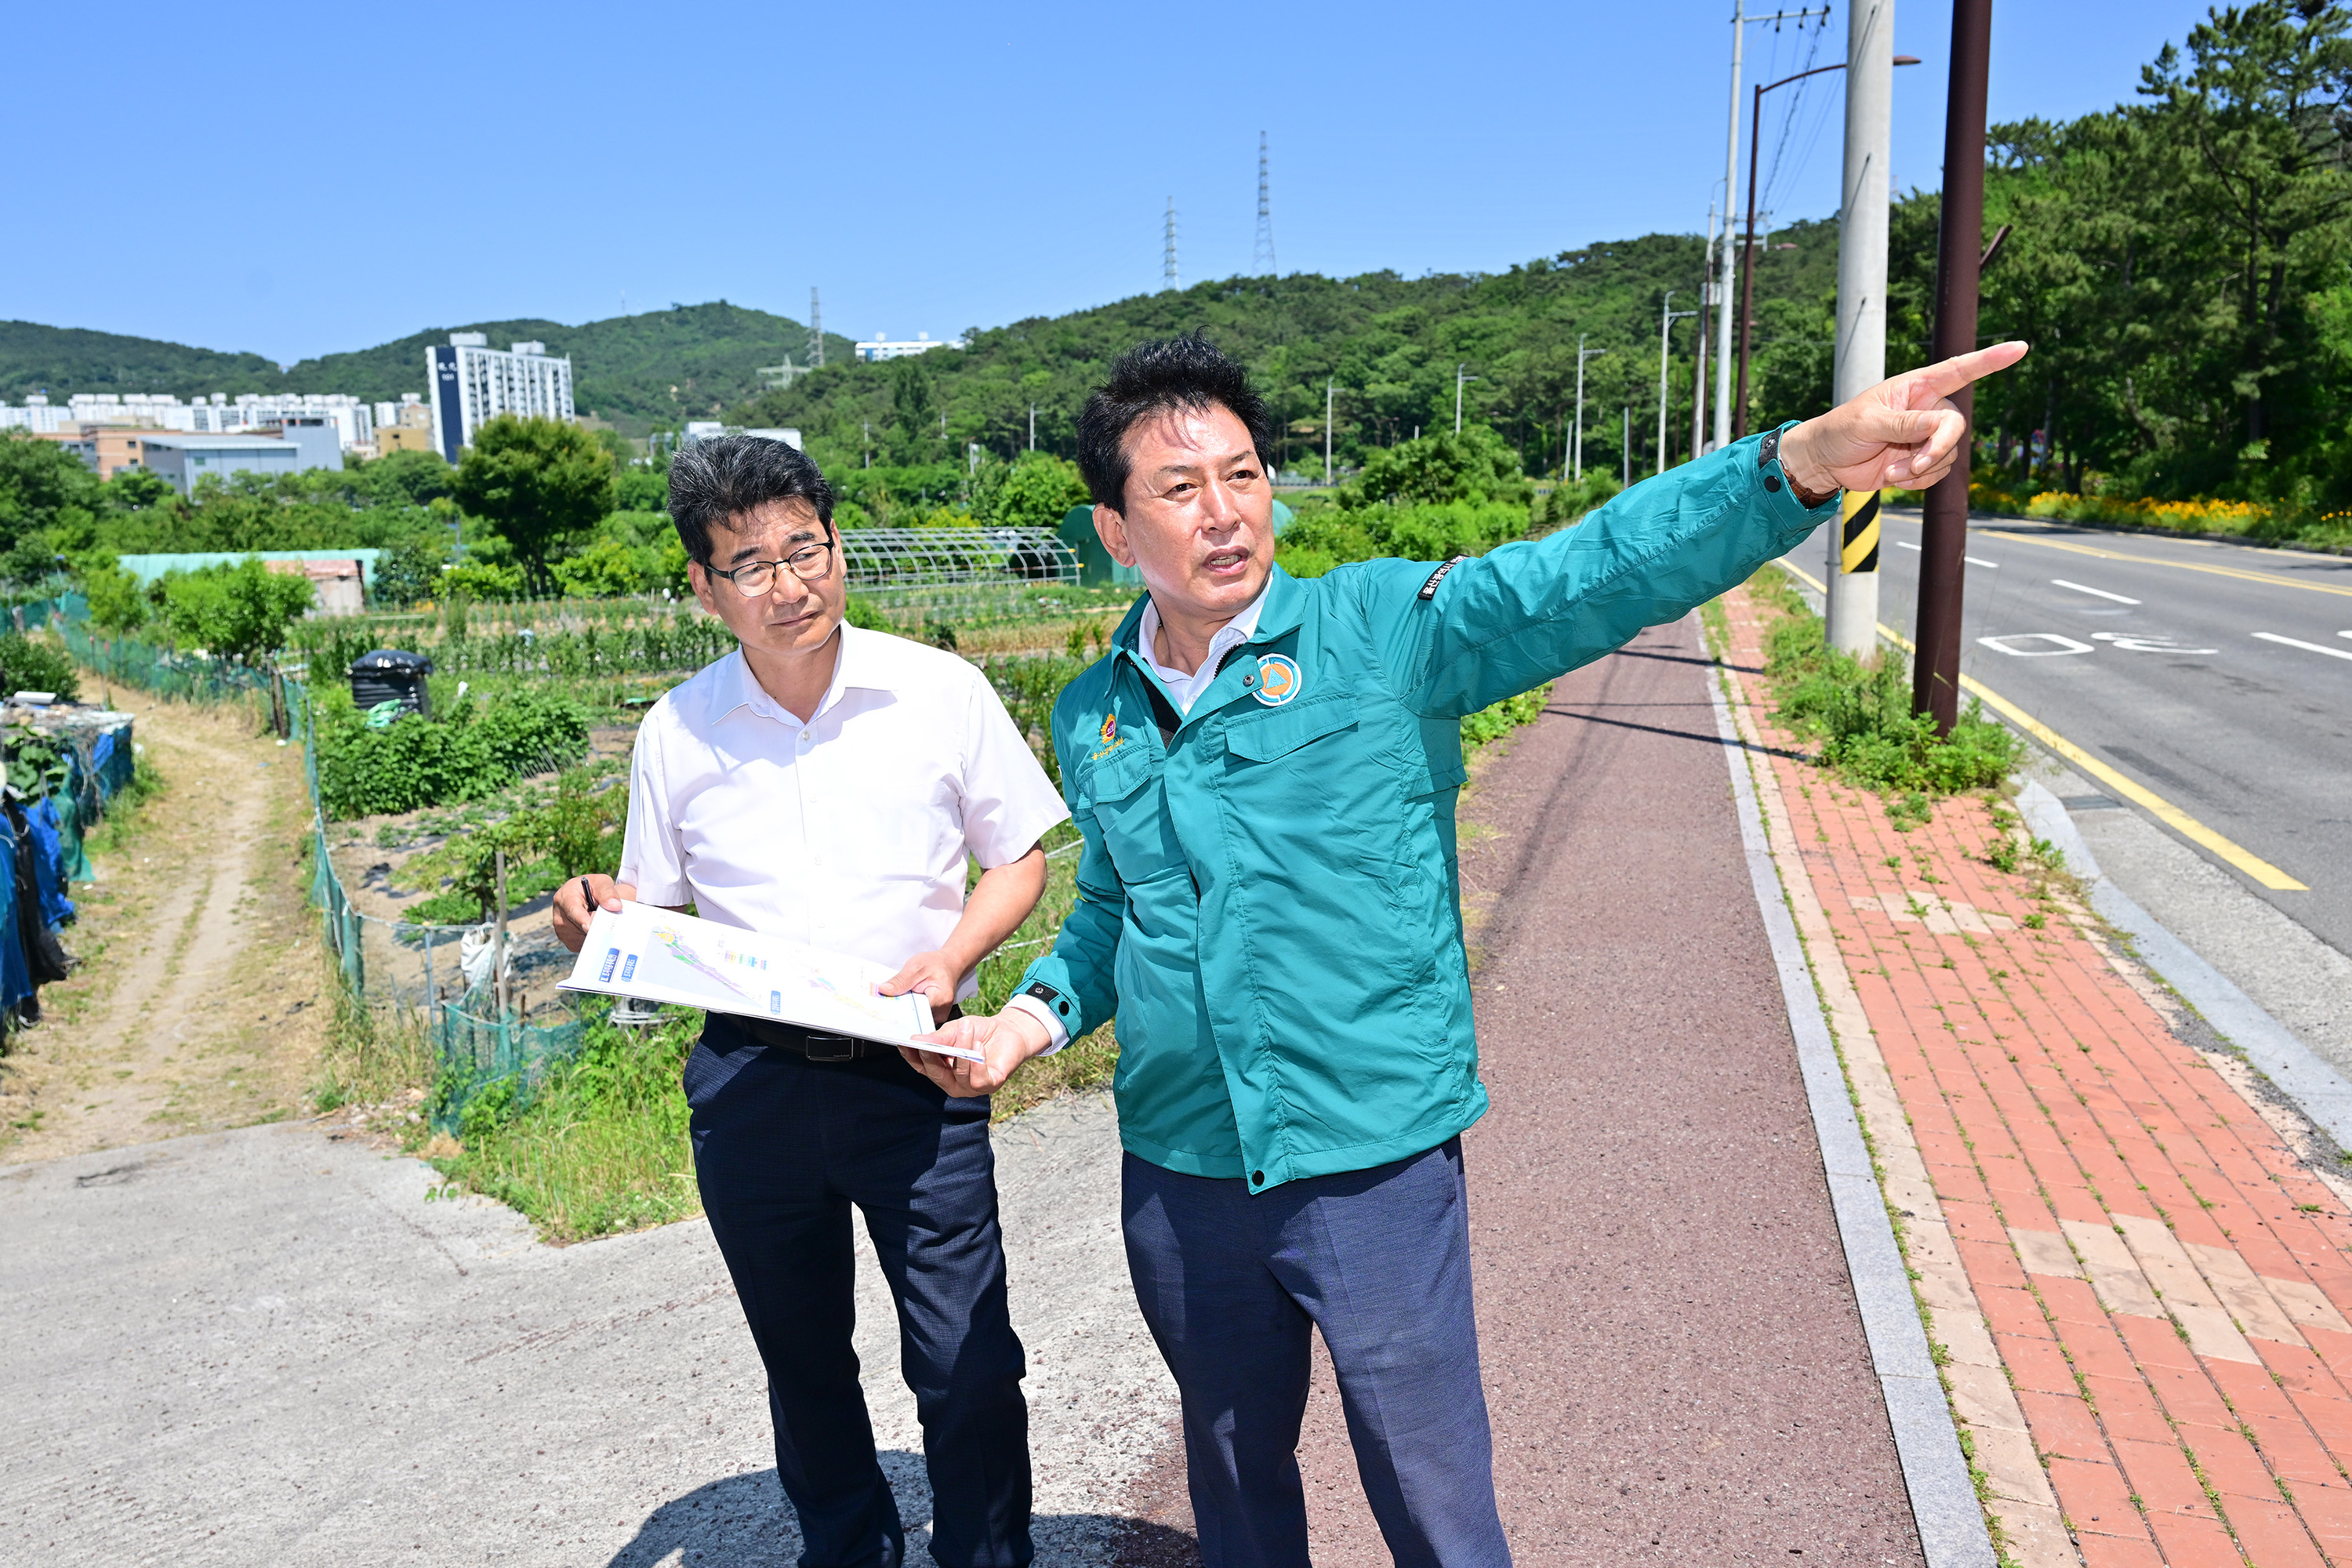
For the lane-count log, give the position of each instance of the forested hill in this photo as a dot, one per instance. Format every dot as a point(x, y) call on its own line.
point(657, 368)
point(62, 361)
point(1390, 345)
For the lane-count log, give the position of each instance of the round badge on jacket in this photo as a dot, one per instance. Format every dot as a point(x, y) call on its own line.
point(1278, 679)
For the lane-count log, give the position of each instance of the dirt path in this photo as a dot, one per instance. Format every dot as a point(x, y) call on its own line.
point(198, 1001)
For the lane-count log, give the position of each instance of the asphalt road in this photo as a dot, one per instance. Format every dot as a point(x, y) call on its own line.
point(2159, 657)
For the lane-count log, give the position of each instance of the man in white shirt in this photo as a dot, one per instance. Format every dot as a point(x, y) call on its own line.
point(826, 784)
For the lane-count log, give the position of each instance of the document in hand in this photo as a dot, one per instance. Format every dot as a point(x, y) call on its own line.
point(662, 956)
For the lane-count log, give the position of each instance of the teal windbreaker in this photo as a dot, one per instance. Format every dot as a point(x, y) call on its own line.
point(1267, 897)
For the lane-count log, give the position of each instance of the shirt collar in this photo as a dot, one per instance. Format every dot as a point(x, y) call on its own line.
point(854, 665)
point(1238, 630)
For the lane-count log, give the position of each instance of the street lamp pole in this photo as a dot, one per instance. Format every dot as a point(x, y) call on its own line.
point(1577, 451)
point(1667, 317)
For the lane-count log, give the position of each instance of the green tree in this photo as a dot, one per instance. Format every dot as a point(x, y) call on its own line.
point(42, 487)
point(1036, 490)
point(239, 611)
point(541, 484)
point(1475, 465)
point(913, 407)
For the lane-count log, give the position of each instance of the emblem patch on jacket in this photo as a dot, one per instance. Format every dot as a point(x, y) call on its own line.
point(1111, 738)
point(1278, 679)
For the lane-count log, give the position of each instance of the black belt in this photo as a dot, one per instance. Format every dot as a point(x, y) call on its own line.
point(820, 1048)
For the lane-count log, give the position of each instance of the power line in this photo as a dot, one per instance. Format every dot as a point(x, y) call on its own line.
point(1262, 251)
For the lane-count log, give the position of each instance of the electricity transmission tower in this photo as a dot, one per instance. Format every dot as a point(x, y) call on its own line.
point(1168, 256)
point(816, 333)
point(1262, 252)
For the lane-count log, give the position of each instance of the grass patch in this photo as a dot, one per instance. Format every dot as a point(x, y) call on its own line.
point(125, 819)
point(601, 1147)
point(1858, 712)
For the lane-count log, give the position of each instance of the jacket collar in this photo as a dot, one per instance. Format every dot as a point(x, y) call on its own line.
point(1285, 608)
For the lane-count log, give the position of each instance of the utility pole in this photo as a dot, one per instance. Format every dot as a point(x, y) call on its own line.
point(1625, 453)
point(1730, 190)
point(1860, 358)
point(1577, 450)
point(1459, 380)
point(1261, 249)
point(816, 333)
point(1699, 363)
point(1033, 426)
point(1326, 430)
point(1739, 20)
point(1935, 678)
point(1167, 255)
point(1667, 317)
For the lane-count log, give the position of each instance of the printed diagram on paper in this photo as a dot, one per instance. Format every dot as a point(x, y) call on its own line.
point(661, 956)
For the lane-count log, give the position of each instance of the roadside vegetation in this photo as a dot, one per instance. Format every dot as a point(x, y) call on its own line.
point(1858, 712)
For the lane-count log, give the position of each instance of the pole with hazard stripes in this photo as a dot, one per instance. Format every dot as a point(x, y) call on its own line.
point(1861, 355)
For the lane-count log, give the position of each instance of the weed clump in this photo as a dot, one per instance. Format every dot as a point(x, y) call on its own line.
point(1859, 713)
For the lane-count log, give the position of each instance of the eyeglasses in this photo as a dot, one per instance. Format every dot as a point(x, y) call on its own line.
point(810, 563)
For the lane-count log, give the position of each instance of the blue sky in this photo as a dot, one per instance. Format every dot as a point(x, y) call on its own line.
point(299, 182)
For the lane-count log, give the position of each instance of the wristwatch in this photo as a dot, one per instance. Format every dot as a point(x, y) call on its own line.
point(1768, 457)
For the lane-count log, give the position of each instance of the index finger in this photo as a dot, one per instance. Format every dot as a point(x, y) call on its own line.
point(1948, 376)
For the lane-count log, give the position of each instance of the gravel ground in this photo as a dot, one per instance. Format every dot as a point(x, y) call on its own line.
point(1672, 1355)
point(268, 1345)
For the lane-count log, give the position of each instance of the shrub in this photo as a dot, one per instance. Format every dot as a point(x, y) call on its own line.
point(238, 610)
point(26, 665)
point(480, 748)
point(1861, 715)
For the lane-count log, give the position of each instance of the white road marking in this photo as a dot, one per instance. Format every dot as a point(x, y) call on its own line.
point(2066, 645)
point(2102, 592)
point(2158, 644)
point(1971, 559)
point(2308, 647)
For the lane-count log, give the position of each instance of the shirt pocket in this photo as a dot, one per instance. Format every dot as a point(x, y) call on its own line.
point(1127, 792)
point(1271, 736)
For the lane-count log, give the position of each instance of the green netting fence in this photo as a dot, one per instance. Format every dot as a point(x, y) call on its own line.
point(436, 977)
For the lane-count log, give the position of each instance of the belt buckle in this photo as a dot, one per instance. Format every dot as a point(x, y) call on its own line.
point(847, 1049)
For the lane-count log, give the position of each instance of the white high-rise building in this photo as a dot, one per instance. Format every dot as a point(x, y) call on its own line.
point(472, 384)
point(36, 415)
point(250, 414)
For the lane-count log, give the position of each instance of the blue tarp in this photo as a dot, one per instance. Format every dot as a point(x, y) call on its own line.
point(49, 862)
point(16, 972)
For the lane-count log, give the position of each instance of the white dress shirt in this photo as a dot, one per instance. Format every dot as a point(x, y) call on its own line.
point(845, 830)
point(1186, 690)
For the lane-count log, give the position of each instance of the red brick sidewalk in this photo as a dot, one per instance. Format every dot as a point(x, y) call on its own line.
point(2141, 1284)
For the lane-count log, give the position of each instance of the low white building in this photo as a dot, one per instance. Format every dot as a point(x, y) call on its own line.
point(219, 415)
point(881, 347)
point(472, 384)
point(180, 460)
point(36, 415)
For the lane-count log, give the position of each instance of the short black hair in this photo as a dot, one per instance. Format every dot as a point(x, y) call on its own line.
point(1154, 378)
point(714, 481)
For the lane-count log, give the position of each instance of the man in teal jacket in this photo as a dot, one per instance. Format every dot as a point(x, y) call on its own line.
point(1264, 770)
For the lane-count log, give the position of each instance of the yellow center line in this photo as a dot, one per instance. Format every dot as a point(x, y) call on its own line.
point(2171, 815)
point(2238, 572)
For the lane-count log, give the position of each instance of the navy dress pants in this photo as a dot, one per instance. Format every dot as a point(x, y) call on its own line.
point(782, 1148)
point(1231, 1284)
